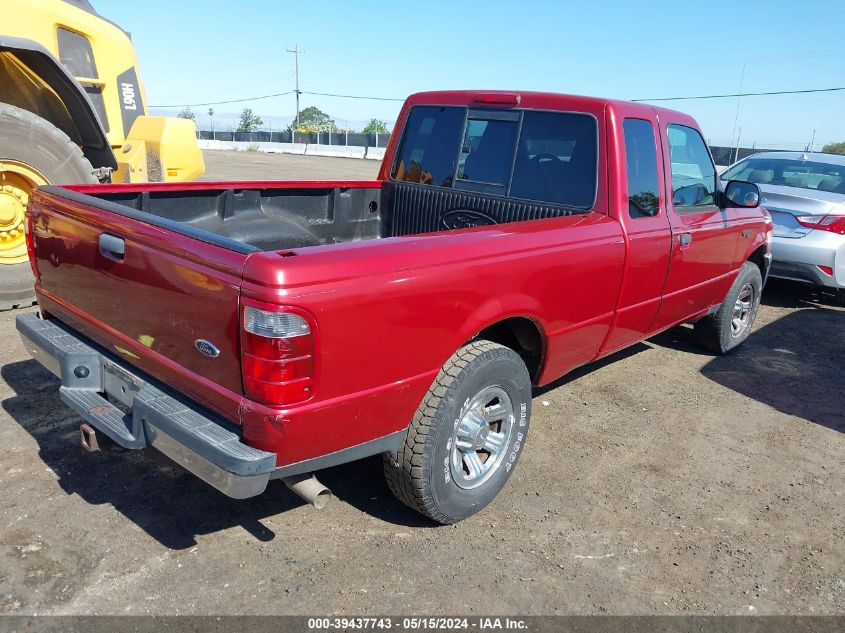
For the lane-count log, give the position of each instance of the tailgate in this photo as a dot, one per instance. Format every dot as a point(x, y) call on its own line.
point(162, 295)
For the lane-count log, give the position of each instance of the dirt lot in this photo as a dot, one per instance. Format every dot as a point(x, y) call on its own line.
point(220, 165)
point(660, 481)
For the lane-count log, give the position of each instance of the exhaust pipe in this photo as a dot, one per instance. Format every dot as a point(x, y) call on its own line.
point(89, 438)
point(309, 488)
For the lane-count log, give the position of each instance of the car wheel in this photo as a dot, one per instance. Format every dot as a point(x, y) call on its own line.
point(731, 324)
point(466, 436)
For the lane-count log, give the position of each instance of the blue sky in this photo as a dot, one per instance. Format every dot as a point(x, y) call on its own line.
point(213, 50)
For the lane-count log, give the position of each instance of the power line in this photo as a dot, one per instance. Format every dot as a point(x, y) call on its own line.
point(330, 94)
point(194, 105)
point(744, 94)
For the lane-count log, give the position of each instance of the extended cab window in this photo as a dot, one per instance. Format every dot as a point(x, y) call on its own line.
point(641, 158)
point(693, 173)
point(429, 147)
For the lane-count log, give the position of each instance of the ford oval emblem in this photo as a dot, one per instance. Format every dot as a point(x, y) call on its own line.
point(207, 348)
point(465, 219)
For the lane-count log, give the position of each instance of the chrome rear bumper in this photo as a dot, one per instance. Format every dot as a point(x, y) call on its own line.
point(145, 414)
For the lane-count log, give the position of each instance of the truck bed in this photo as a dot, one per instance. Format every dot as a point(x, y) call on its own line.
point(280, 216)
point(265, 218)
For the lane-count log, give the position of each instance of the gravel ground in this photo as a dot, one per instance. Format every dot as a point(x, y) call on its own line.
point(660, 481)
point(227, 165)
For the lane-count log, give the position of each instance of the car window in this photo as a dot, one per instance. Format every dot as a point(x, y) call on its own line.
point(429, 147)
point(549, 157)
point(487, 151)
point(76, 54)
point(693, 173)
point(790, 172)
point(641, 159)
point(556, 159)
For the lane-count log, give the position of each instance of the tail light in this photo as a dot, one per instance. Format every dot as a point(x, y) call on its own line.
point(30, 245)
point(832, 222)
point(277, 354)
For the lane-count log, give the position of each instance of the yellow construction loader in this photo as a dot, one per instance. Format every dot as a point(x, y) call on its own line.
point(73, 110)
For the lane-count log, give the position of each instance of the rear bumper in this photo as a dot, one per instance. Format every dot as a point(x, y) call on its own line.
point(799, 258)
point(203, 444)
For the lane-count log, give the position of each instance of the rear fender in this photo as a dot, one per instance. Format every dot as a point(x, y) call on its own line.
point(495, 311)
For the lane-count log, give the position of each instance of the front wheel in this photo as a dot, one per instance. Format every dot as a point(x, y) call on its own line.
point(466, 436)
point(731, 324)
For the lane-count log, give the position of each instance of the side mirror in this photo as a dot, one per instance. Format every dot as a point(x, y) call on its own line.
point(742, 194)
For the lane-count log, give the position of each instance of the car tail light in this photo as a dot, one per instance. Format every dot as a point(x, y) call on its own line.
point(832, 222)
point(499, 98)
point(30, 245)
point(277, 354)
point(827, 270)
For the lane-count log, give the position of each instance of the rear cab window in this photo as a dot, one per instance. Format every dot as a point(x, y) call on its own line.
point(533, 155)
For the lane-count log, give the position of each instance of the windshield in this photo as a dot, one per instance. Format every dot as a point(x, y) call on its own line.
point(789, 173)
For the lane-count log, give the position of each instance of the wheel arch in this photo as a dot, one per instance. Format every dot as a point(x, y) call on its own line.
point(758, 257)
point(523, 334)
point(64, 103)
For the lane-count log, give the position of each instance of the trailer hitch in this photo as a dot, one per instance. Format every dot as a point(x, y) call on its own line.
point(88, 435)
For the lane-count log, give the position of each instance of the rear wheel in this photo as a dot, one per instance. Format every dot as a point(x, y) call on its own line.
point(731, 324)
point(33, 152)
point(466, 436)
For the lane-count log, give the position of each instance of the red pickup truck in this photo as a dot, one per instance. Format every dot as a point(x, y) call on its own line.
point(261, 330)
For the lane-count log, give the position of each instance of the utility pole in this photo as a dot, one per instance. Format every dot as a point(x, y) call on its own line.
point(738, 101)
point(736, 153)
point(296, 52)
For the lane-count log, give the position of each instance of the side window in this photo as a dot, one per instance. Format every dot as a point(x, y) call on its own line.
point(76, 55)
point(556, 159)
point(487, 151)
point(693, 173)
point(429, 147)
point(641, 157)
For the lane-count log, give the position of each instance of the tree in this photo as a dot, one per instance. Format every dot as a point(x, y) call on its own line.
point(834, 148)
point(249, 122)
point(187, 113)
point(375, 126)
point(312, 119)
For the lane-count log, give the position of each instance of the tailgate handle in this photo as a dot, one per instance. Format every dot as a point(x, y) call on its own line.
point(112, 247)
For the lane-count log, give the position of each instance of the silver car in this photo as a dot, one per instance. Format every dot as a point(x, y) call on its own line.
point(805, 194)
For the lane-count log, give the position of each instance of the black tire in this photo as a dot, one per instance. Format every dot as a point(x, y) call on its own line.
point(716, 332)
point(421, 473)
point(27, 138)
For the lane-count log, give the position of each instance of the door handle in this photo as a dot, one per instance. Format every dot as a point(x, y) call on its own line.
point(685, 239)
point(112, 247)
